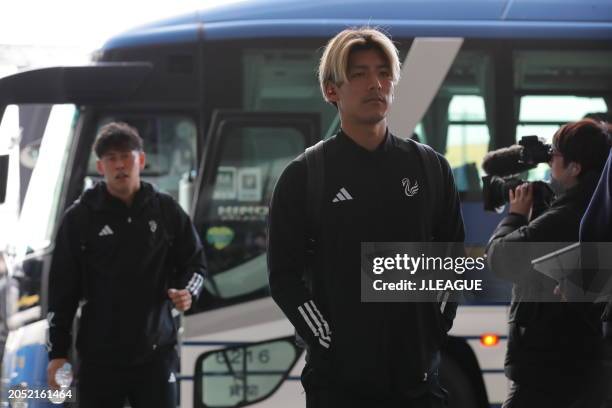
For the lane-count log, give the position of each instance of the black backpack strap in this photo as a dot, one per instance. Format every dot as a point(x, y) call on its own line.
point(315, 168)
point(434, 180)
point(315, 175)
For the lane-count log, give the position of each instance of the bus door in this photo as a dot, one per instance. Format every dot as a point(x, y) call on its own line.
point(60, 91)
point(245, 154)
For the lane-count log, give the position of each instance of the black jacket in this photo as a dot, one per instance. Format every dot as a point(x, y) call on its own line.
point(381, 348)
point(596, 225)
point(549, 341)
point(119, 262)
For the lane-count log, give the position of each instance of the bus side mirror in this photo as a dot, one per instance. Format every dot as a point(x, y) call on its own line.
point(4, 166)
point(243, 375)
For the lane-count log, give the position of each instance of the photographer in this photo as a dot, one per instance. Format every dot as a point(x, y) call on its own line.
point(554, 355)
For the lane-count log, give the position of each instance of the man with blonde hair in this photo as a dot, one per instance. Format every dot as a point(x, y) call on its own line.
point(374, 189)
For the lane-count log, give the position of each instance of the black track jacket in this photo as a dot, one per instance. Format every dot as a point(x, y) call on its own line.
point(380, 349)
point(120, 261)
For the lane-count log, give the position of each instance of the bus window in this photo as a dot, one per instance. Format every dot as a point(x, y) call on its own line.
point(170, 147)
point(285, 80)
point(456, 122)
point(556, 87)
point(245, 374)
point(543, 115)
point(233, 225)
point(468, 139)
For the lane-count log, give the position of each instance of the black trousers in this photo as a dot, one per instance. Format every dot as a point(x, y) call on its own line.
point(328, 398)
point(149, 385)
point(322, 393)
point(318, 380)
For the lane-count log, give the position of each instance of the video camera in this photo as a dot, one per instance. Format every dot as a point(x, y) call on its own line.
point(503, 166)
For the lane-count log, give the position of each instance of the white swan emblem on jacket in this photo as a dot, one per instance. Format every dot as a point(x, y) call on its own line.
point(408, 189)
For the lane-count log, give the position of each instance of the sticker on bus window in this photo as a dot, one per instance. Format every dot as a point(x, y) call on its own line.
point(219, 237)
point(249, 185)
point(226, 184)
point(242, 213)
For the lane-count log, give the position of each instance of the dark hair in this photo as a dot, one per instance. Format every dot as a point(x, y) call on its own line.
point(117, 136)
point(585, 142)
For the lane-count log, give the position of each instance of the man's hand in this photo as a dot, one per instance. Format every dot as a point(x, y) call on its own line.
point(180, 298)
point(521, 199)
point(52, 368)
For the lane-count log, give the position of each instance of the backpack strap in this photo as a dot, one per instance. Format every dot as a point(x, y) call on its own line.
point(315, 167)
point(434, 179)
point(315, 175)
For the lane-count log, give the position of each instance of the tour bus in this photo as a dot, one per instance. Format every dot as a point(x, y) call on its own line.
point(225, 98)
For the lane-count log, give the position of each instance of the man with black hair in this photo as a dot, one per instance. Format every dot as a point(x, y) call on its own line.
point(555, 349)
point(128, 255)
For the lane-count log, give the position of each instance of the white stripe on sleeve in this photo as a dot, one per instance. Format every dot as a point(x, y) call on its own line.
point(308, 322)
point(325, 325)
point(316, 320)
point(195, 283)
point(198, 283)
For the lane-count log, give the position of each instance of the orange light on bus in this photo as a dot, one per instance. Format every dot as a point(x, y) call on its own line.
point(489, 340)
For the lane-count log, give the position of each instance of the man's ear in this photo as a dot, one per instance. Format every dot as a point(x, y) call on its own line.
point(575, 169)
point(331, 92)
point(100, 167)
point(142, 158)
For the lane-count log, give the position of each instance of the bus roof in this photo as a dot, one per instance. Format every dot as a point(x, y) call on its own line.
point(563, 19)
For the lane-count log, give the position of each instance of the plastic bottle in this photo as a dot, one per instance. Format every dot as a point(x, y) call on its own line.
point(63, 376)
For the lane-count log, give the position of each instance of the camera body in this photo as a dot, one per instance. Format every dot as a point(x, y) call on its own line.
point(534, 151)
point(505, 164)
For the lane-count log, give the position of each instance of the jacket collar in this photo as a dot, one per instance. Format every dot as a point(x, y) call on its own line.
point(99, 199)
point(345, 141)
point(581, 192)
